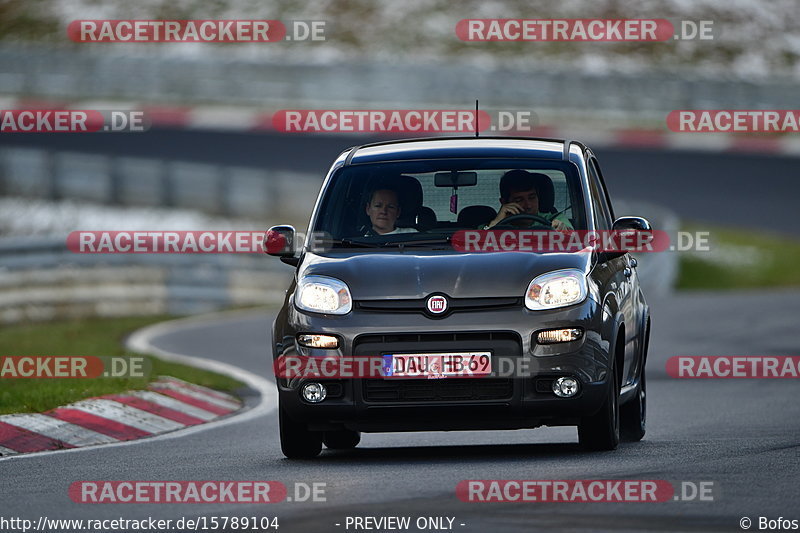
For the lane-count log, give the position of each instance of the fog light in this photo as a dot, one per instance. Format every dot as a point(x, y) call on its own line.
point(553, 336)
point(565, 387)
point(314, 392)
point(318, 341)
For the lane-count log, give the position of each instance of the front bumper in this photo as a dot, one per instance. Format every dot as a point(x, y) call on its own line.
point(508, 401)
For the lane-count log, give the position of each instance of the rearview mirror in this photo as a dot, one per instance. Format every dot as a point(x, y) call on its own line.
point(455, 179)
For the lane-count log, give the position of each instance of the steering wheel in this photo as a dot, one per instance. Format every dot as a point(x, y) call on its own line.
point(524, 216)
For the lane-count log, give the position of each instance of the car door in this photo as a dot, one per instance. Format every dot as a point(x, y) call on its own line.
point(617, 271)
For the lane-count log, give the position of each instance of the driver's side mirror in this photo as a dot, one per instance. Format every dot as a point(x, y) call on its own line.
point(279, 241)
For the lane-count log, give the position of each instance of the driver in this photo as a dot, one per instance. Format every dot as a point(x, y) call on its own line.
point(519, 194)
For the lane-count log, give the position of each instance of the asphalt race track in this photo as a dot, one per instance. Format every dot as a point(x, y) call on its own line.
point(743, 435)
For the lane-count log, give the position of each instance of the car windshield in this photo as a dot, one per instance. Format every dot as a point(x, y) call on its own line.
point(424, 202)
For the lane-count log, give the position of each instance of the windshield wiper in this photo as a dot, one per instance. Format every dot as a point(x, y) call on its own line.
point(351, 243)
point(418, 242)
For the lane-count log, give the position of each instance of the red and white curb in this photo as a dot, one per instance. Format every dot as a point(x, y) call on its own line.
point(247, 119)
point(170, 404)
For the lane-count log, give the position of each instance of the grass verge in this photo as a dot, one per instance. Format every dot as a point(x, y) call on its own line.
point(90, 337)
point(739, 259)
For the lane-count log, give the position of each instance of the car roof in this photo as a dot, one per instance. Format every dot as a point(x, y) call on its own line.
point(462, 147)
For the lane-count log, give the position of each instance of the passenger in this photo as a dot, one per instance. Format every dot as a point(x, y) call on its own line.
point(383, 209)
point(519, 194)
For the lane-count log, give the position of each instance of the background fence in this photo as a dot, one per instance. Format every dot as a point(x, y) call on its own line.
point(110, 73)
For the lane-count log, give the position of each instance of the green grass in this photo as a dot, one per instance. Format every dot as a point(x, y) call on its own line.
point(740, 259)
point(90, 337)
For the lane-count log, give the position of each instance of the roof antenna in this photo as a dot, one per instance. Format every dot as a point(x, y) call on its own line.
point(477, 131)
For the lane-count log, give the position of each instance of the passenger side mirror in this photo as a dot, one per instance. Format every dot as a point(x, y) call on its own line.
point(629, 225)
point(279, 241)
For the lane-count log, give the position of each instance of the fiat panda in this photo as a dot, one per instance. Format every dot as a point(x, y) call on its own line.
point(462, 339)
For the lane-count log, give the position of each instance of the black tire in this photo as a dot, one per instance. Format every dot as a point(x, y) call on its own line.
point(344, 439)
point(633, 415)
point(600, 432)
point(297, 442)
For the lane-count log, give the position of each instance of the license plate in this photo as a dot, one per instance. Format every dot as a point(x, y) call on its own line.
point(437, 365)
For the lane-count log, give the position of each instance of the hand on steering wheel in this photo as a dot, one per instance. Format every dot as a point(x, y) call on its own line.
point(523, 216)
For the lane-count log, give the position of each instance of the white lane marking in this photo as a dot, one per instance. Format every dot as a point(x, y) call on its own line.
point(6, 451)
point(172, 403)
point(225, 404)
point(140, 342)
point(57, 429)
point(125, 414)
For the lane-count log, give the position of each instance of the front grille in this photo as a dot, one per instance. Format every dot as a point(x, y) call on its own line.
point(499, 343)
point(466, 339)
point(454, 305)
point(436, 390)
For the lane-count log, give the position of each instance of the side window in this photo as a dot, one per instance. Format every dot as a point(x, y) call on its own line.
point(602, 212)
point(604, 189)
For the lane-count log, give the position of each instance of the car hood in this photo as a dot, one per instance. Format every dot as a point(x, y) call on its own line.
point(403, 275)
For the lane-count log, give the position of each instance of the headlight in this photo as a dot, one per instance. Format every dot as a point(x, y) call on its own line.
point(556, 289)
point(319, 294)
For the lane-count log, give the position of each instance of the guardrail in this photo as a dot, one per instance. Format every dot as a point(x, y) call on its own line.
point(41, 280)
point(216, 189)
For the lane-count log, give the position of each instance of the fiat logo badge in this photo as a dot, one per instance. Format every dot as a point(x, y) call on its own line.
point(437, 305)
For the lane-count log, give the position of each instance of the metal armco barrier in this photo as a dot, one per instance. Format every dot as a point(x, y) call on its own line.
point(41, 280)
point(215, 189)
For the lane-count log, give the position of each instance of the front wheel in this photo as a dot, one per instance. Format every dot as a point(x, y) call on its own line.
point(600, 432)
point(297, 442)
point(634, 413)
